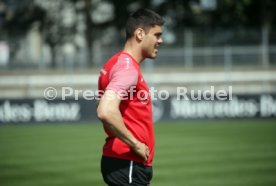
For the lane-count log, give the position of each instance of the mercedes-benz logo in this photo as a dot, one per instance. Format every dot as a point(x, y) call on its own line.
point(157, 109)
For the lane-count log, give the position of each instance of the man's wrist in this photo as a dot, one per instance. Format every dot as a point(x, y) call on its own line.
point(134, 144)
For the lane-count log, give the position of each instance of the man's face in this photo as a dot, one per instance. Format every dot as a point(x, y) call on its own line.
point(152, 41)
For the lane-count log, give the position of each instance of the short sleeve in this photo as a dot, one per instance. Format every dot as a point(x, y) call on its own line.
point(122, 76)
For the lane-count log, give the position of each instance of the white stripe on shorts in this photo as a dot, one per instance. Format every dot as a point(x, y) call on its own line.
point(130, 171)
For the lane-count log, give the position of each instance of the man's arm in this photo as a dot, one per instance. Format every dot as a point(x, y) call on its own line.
point(108, 112)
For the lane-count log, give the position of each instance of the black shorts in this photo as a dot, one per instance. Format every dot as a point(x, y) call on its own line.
point(119, 172)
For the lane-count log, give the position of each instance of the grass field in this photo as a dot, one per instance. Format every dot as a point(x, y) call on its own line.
point(194, 153)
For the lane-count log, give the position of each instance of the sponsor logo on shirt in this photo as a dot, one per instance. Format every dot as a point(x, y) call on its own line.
point(103, 71)
point(127, 63)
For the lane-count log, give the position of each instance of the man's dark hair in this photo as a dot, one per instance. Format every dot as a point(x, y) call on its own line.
point(143, 18)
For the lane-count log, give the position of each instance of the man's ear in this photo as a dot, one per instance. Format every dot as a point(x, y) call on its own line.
point(139, 34)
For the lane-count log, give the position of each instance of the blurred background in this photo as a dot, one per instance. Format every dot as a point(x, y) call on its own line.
point(63, 40)
point(225, 44)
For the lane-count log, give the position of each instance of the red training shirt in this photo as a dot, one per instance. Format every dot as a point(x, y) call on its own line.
point(122, 74)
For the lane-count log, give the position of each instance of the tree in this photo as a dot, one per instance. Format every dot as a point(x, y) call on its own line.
point(17, 19)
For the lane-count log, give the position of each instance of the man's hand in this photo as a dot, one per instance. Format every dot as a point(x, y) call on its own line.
point(142, 150)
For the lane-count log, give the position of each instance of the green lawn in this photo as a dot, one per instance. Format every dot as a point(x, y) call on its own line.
point(191, 153)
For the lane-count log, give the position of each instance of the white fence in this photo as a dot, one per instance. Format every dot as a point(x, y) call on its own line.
point(33, 86)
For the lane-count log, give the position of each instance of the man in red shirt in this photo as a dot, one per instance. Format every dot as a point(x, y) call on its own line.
point(125, 107)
